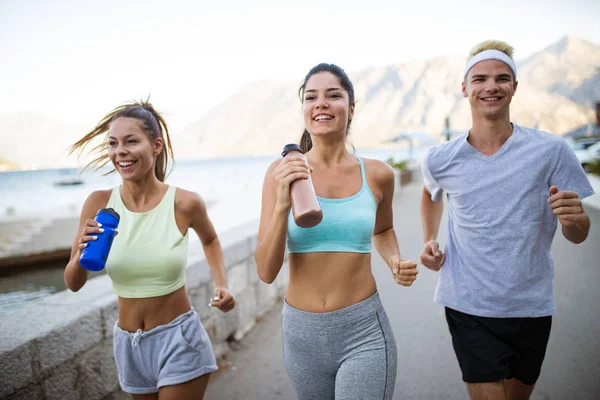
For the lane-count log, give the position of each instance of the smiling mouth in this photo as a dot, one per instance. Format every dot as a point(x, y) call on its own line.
point(491, 98)
point(323, 117)
point(125, 164)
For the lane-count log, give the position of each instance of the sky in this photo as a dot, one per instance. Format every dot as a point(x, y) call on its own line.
point(77, 60)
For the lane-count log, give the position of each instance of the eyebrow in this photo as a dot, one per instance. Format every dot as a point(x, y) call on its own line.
point(126, 136)
point(503, 75)
point(329, 90)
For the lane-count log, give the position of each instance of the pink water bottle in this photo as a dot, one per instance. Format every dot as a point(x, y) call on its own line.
point(305, 206)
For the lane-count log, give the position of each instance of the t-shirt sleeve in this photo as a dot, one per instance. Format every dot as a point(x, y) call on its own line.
point(430, 183)
point(568, 173)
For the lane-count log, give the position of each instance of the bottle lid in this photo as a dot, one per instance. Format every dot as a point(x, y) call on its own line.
point(109, 211)
point(290, 147)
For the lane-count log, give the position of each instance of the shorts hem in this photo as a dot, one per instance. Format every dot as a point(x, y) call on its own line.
point(490, 379)
point(177, 380)
point(137, 390)
point(485, 379)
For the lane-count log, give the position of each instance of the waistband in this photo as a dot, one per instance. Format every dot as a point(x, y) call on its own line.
point(332, 318)
point(139, 334)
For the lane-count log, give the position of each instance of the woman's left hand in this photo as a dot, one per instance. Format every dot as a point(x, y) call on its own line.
point(222, 299)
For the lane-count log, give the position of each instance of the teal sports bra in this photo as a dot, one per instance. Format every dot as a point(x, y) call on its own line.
point(347, 224)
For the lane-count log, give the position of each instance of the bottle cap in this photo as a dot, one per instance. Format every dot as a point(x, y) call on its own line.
point(109, 211)
point(290, 147)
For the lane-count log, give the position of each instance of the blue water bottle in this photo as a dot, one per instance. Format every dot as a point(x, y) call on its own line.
point(93, 257)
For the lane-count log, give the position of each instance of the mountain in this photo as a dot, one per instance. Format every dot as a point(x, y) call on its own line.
point(557, 89)
point(563, 67)
point(33, 140)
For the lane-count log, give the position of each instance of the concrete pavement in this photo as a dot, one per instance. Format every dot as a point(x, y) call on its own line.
point(427, 367)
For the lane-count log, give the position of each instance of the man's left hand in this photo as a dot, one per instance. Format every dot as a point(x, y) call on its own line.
point(566, 206)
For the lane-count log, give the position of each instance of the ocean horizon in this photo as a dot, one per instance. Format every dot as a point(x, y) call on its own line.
point(49, 193)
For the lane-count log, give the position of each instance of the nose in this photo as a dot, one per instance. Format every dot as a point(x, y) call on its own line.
point(121, 149)
point(492, 87)
point(321, 103)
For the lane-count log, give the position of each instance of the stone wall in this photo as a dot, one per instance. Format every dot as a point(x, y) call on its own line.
point(61, 346)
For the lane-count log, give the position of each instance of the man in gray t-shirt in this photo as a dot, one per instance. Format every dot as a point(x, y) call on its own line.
point(507, 188)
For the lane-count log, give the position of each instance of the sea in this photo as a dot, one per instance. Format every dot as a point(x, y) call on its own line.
point(231, 187)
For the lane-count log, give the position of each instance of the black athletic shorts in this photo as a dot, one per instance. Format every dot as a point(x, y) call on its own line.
point(492, 349)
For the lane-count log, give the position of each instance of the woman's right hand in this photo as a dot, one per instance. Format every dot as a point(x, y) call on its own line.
point(89, 233)
point(293, 166)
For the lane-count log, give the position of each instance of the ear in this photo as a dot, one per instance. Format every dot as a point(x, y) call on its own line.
point(157, 146)
point(351, 113)
point(515, 86)
point(464, 89)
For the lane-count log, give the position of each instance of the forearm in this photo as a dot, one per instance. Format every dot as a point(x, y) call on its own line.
point(271, 249)
point(386, 244)
point(214, 256)
point(431, 216)
point(75, 275)
point(579, 232)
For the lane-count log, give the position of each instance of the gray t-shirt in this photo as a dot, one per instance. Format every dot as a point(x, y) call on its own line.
point(500, 225)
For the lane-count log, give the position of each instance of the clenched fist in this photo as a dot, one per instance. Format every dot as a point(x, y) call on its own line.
point(405, 271)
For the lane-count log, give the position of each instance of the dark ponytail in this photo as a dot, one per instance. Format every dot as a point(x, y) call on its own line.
point(305, 142)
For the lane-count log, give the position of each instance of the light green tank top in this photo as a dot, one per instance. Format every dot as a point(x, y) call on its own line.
point(148, 256)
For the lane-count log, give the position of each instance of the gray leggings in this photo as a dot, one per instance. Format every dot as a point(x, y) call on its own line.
point(344, 354)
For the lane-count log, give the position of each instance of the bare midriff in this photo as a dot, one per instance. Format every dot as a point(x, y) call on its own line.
point(323, 282)
point(151, 312)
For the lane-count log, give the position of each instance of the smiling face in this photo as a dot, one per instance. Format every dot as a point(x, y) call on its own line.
point(326, 106)
point(131, 150)
point(490, 86)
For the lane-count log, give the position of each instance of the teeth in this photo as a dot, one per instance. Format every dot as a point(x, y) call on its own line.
point(491, 98)
point(322, 117)
point(126, 163)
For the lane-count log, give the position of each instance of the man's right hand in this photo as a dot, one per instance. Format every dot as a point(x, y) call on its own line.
point(432, 257)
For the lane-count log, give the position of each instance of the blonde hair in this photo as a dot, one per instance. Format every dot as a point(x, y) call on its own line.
point(492, 45)
point(151, 122)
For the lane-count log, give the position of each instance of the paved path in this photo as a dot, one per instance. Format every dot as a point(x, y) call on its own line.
point(427, 367)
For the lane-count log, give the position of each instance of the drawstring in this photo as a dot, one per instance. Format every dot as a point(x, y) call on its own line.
point(136, 337)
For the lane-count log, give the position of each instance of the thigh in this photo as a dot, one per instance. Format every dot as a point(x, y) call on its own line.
point(481, 355)
point(133, 377)
point(530, 344)
point(191, 390)
point(370, 371)
point(184, 353)
point(151, 396)
point(487, 391)
point(307, 360)
point(517, 390)
point(363, 376)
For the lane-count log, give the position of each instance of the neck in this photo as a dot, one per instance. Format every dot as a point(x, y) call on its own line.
point(327, 151)
point(141, 191)
point(489, 134)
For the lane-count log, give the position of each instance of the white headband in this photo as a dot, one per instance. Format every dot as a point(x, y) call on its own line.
point(491, 55)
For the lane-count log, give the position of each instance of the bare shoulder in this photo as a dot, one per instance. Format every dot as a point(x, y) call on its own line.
point(189, 202)
point(97, 199)
point(273, 165)
point(270, 169)
point(379, 171)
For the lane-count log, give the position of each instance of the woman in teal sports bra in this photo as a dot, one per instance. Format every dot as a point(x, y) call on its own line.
point(338, 343)
point(161, 349)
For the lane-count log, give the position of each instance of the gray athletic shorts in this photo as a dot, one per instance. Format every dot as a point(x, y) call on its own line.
point(166, 355)
point(347, 354)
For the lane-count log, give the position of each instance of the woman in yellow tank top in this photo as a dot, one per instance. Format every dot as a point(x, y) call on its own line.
point(161, 348)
